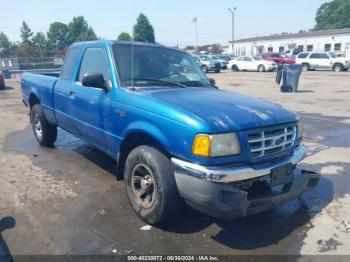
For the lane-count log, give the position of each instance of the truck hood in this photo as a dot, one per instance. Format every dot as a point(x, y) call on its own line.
point(224, 111)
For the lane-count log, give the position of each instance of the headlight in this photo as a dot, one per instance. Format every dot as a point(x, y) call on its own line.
point(300, 129)
point(216, 145)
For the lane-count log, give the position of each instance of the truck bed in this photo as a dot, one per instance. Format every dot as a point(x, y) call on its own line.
point(42, 86)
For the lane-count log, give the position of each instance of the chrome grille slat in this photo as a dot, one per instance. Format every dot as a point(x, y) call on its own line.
point(264, 144)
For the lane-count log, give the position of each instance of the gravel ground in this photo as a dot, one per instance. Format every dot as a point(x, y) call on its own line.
point(66, 200)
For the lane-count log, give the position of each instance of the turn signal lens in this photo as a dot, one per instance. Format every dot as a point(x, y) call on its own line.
point(201, 146)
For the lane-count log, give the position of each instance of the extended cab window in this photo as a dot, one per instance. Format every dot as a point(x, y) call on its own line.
point(94, 61)
point(69, 61)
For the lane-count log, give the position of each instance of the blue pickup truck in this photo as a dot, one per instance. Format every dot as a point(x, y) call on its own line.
point(175, 136)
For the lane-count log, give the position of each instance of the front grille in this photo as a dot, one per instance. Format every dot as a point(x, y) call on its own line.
point(273, 141)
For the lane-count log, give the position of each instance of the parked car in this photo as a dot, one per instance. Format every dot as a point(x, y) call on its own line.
point(207, 64)
point(225, 57)
point(278, 58)
point(2, 80)
point(292, 52)
point(251, 63)
point(323, 60)
point(174, 135)
point(221, 61)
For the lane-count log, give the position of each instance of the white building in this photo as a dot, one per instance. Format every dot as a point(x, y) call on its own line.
point(337, 40)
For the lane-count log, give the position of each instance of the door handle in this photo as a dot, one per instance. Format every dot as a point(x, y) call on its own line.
point(71, 94)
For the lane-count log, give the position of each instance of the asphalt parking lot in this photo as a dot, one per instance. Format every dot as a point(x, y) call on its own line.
point(66, 200)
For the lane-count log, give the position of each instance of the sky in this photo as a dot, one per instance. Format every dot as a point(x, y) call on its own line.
point(171, 19)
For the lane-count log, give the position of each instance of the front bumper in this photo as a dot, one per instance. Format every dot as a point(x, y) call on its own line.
point(272, 68)
point(218, 191)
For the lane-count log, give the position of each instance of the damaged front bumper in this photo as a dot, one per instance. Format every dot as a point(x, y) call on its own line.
point(237, 191)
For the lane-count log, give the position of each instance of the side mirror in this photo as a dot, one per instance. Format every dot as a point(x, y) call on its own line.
point(94, 80)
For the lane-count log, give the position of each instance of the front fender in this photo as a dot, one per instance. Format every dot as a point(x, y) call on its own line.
point(150, 130)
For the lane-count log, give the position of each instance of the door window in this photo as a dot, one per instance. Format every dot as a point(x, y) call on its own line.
point(69, 61)
point(315, 56)
point(94, 61)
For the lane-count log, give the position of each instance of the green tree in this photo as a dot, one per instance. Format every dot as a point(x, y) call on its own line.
point(26, 34)
point(333, 15)
point(143, 30)
point(40, 43)
point(124, 36)
point(58, 36)
point(5, 45)
point(39, 40)
point(79, 30)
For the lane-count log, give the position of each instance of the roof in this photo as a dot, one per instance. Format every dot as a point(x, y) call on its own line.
point(113, 42)
point(297, 35)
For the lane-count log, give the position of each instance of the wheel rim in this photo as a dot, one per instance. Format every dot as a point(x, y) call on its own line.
point(305, 68)
point(261, 69)
point(337, 69)
point(38, 126)
point(143, 186)
point(204, 69)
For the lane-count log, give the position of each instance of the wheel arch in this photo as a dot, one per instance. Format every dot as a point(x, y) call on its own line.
point(33, 100)
point(134, 137)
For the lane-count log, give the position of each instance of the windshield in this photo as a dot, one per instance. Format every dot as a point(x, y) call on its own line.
point(156, 66)
point(258, 58)
point(205, 58)
point(333, 55)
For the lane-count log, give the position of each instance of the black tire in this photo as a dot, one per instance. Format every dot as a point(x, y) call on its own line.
point(217, 71)
point(338, 67)
point(234, 68)
point(306, 67)
point(154, 199)
point(261, 68)
point(204, 69)
point(44, 132)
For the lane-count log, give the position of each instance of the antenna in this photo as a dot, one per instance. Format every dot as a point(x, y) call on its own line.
point(132, 45)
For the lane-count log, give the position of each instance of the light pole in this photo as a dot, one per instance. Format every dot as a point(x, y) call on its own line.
point(195, 20)
point(233, 11)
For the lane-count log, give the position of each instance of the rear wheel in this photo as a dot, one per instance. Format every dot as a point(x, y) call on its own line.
point(261, 68)
point(44, 132)
point(150, 185)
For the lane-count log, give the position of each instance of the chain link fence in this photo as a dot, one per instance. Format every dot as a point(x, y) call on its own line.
point(15, 66)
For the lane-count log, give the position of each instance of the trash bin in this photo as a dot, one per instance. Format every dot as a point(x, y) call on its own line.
point(290, 75)
point(6, 73)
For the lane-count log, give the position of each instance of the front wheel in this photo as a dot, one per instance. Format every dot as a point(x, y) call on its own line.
point(150, 185)
point(338, 67)
point(44, 132)
point(204, 69)
point(261, 68)
point(306, 67)
point(234, 68)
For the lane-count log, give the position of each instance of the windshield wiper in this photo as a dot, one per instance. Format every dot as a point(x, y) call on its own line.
point(194, 83)
point(154, 80)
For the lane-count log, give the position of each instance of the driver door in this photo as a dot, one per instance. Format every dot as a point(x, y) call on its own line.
point(88, 105)
point(250, 64)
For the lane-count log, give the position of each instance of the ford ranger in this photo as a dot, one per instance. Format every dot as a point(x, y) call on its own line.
point(175, 136)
